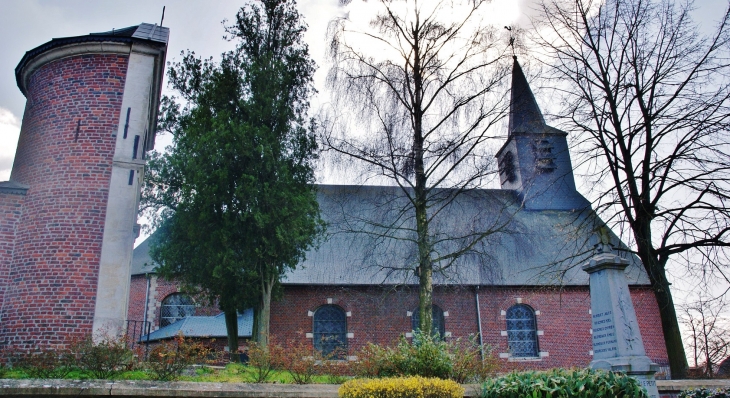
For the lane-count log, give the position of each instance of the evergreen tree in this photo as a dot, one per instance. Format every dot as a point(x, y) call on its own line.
point(234, 196)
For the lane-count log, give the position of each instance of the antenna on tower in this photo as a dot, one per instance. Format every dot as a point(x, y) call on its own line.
point(163, 15)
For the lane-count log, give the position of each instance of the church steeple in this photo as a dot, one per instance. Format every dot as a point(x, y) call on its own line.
point(535, 160)
point(524, 113)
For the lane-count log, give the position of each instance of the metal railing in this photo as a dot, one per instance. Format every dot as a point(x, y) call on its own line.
point(135, 331)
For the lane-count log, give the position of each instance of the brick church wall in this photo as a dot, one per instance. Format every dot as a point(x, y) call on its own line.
point(380, 315)
point(68, 167)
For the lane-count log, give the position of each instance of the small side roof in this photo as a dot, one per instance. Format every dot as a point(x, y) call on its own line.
point(13, 187)
point(203, 326)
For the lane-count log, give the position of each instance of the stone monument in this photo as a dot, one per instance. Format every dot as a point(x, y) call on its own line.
point(617, 344)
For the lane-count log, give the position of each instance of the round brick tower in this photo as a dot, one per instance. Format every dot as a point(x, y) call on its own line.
point(89, 119)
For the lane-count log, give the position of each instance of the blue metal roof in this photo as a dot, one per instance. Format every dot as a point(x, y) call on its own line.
point(203, 326)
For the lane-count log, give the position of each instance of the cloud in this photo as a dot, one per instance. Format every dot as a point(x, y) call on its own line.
point(9, 132)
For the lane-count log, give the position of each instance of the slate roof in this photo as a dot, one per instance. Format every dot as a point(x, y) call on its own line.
point(141, 261)
point(527, 247)
point(144, 32)
point(524, 113)
point(203, 326)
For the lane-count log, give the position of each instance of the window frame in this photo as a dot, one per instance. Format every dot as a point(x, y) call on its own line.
point(169, 320)
point(522, 335)
point(338, 348)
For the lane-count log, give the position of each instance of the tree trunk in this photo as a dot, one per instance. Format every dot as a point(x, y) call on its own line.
point(232, 330)
point(264, 313)
point(670, 325)
point(425, 266)
point(672, 335)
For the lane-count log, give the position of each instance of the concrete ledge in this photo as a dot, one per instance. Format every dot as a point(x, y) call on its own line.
point(98, 388)
point(68, 388)
point(675, 386)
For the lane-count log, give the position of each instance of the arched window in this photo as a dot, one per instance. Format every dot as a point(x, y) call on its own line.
point(522, 331)
point(437, 321)
point(175, 307)
point(330, 331)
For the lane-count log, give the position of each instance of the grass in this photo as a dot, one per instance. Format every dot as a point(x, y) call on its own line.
point(231, 373)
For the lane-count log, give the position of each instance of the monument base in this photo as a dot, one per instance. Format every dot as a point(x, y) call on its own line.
point(640, 368)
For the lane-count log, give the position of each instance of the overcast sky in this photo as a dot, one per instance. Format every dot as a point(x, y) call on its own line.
point(194, 25)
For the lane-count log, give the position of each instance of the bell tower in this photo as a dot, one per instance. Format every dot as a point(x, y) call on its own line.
point(535, 160)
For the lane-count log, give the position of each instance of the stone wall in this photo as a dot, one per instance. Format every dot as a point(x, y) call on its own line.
point(141, 388)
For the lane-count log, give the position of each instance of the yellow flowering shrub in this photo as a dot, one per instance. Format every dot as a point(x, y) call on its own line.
point(401, 387)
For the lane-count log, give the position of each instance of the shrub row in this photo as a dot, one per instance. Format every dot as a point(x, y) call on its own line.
point(106, 358)
point(558, 383)
point(458, 360)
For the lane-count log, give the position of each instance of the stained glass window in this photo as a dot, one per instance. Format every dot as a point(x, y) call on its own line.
point(437, 319)
point(522, 331)
point(175, 307)
point(330, 331)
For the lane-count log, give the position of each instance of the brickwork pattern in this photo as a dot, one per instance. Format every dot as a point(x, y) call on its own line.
point(64, 154)
point(380, 315)
point(137, 296)
point(11, 206)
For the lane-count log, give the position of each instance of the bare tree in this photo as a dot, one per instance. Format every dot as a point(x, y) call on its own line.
point(423, 92)
point(647, 96)
point(709, 338)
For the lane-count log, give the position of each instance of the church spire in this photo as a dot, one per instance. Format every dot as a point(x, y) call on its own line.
point(524, 116)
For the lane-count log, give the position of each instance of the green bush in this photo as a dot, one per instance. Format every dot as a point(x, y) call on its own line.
point(168, 359)
point(559, 383)
point(103, 359)
point(401, 387)
point(458, 360)
point(705, 393)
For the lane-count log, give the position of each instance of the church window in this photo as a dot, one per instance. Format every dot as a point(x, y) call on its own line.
point(522, 331)
point(437, 325)
point(330, 331)
point(175, 307)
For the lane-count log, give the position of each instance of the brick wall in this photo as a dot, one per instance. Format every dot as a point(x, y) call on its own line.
point(68, 167)
point(10, 213)
point(380, 315)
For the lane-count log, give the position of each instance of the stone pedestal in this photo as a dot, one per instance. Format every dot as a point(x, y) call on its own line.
point(617, 344)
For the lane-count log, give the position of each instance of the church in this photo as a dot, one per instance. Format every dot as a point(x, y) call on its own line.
point(68, 220)
point(521, 290)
